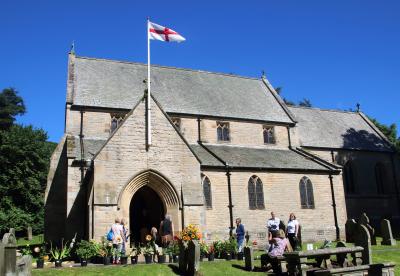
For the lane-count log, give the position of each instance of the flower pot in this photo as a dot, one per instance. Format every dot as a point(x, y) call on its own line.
point(39, 263)
point(228, 256)
point(175, 258)
point(211, 257)
point(124, 260)
point(161, 259)
point(134, 259)
point(240, 256)
point(58, 263)
point(83, 262)
point(148, 259)
point(106, 261)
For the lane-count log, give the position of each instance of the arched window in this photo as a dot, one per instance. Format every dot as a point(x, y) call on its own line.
point(349, 177)
point(223, 131)
point(207, 191)
point(256, 193)
point(116, 121)
point(380, 177)
point(269, 136)
point(306, 193)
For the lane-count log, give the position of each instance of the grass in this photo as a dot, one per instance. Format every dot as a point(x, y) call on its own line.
point(380, 254)
point(37, 239)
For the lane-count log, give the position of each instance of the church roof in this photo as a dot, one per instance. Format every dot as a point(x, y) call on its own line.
point(338, 129)
point(116, 84)
point(256, 158)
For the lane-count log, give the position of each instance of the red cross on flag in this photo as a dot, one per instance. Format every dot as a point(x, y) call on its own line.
point(158, 32)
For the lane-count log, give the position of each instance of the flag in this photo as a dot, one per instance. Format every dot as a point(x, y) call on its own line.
point(158, 32)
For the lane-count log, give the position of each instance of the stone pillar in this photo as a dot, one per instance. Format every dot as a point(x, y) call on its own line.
point(386, 231)
point(248, 258)
point(29, 233)
point(193, 257)
point(9, 252)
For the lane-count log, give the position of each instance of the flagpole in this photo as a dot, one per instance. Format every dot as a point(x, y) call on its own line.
point(148, 107)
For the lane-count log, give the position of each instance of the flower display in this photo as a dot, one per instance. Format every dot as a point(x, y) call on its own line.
point(191, 232)
point(149, 238)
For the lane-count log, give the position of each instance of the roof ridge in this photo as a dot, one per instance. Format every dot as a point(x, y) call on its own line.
point(324, 109)
point(169, 67)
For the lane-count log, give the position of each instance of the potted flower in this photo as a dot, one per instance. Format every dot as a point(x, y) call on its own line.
point(232, 246)
point(175, 251)
point(218, 249)
point(135, 252)
point(149, 249)
point(85, 251)
point(160, 255)
point(203, 250)
point(105, 250)
point(211, 253)
point(59, 254)
point(124, 259)
point(41, 253)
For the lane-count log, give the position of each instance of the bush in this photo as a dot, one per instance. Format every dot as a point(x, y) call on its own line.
point(86, 249)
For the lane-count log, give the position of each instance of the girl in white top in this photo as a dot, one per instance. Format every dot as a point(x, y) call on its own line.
point(117, 241)
point(292, 230)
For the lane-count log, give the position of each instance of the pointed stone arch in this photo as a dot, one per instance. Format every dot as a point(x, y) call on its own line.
point(161, 185)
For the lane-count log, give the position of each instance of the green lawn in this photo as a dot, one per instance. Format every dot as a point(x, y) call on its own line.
point(38, 239)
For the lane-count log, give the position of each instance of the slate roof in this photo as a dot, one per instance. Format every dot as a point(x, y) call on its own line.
point(260, 158)
point(116, 84)
point(337, 129)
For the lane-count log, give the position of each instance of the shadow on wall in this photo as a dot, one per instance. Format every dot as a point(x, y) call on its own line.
point(361, 139)
point(56, 204)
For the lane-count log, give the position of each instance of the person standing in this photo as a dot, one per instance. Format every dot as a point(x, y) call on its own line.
point(292, 230)
point(166, 230)
point(117, 239)
point(124, 236)
point(273, 223)
point(240, 234)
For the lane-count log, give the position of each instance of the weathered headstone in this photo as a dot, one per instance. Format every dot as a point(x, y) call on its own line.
point(341, 258)
point(363, 239)
point(24, 266)
point(8, 254)
point(193, 258)
point(364, 220)
point(248, 258)
point(29, 233)
point(351, 227)
point(386, 231)
point(183, 258)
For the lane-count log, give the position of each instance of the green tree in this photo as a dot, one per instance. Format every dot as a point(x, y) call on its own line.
point(24, 162)
point(389, 131)
point(11, 105)
point(305, 103)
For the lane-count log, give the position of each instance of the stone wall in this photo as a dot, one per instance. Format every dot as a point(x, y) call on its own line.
point(281, 195)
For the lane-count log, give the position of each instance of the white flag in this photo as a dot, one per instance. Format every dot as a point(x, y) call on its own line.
point(158, 32)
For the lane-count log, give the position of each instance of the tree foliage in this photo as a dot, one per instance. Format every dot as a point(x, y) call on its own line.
point(389, 131)
point(304, 102)
point(24, 162)
point(11, 105)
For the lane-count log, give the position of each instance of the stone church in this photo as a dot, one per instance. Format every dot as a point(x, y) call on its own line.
point(223, 146)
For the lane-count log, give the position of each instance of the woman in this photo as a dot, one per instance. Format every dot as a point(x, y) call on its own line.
point(117, 239)
point(124, 236)
point(278, 245)
point(166, 230)
point(292, 230)
point(240, 234)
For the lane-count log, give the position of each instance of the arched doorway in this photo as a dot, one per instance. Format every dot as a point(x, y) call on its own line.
point(145, 211)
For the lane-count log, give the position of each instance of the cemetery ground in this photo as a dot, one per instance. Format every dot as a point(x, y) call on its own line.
point(380, 254)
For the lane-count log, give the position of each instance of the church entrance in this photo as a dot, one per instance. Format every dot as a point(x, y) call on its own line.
point(146, 210)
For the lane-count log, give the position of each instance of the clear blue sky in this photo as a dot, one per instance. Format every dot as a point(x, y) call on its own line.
point(336, 53)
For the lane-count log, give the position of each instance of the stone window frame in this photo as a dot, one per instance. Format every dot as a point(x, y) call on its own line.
point(223, 131)
point(177, 122)
point(256, 193)
point(349, 177)
point(269, 134)
point(380, 177)
point(306, 193)
point(207, 192)
point(116, 121)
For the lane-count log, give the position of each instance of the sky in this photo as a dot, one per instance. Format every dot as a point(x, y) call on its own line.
point(336, 53)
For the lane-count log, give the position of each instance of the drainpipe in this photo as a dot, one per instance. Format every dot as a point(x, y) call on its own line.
point(230, 206)
point(198, 130)
point(82, 169)
point(182, 211)
point(290, 140)
point(332, 156)
point(334, 208)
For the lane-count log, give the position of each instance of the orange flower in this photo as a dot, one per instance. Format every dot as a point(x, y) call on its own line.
point(148, 238)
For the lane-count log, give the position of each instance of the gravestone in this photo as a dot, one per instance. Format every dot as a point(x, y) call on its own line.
point(351, 227)
point(299, 244)
point(8, 254)
point(282, 226)
point(342, 258)
point(364, 220)
point(386, 231)
point(183, 258)
point(363, 239)
point(29, 233)
point(193, 258)
point(248, 258)
point(24, 266)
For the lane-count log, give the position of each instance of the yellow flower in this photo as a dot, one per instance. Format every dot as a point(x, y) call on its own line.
point(148, 238)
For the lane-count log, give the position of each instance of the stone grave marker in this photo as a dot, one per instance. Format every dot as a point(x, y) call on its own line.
point(351, 227)
point(193, 258)
point(29, 233)
point(8, 254)
point(363, 239)
point(24, 266)
point(364, 220)
point(248, 258)
point(342, 258)
point(387, 235)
